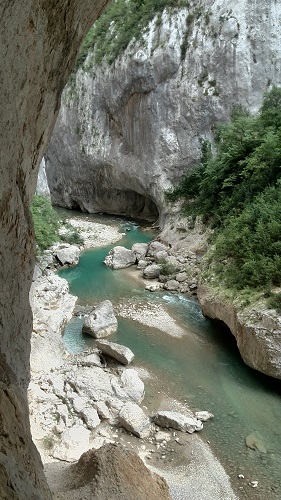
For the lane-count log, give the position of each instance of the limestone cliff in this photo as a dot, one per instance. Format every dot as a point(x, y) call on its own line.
point(127, 132)
point(257, 329)
point(38, 45)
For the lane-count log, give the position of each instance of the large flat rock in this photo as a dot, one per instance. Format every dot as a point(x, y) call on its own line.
point(116, 351)
point(177, 421)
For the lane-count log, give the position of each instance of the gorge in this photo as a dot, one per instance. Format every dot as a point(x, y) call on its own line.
point(129, 130)
point(235, 57)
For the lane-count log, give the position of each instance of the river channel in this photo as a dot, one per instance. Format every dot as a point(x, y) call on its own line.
point(202, 368)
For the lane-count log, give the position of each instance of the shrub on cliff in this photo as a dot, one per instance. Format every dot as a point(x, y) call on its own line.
point(237, 189)
point(47, 225)
point(46, 222)
point(122, 21)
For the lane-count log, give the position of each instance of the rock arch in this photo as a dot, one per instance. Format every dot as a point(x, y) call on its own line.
point(38, 45)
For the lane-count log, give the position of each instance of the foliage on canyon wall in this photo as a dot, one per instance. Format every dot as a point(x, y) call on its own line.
point(47, 223)
point(122, 21)
point(237, 189)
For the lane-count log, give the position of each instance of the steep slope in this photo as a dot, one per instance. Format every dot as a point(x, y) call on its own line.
point(128, 131)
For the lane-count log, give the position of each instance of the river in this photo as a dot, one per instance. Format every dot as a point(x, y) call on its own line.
point(203, 368)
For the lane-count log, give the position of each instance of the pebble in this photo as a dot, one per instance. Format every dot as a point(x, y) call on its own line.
point(241, 476)
point(254, 484)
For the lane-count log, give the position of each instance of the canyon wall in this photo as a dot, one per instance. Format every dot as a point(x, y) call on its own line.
point(127, 132)
point(38, 45)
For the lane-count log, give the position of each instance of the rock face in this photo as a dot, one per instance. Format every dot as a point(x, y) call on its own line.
point(101, 322)
point(42, 187)
point(257, 330)
point(38, 45)
point(135, 127)
point(52, 306)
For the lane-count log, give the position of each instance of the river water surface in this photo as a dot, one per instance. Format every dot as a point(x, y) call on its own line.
point(202, 368)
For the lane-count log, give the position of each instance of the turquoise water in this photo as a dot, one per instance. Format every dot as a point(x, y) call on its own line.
point(203, 368)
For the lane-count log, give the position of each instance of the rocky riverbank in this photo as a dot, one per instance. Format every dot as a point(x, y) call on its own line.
point(87, 401)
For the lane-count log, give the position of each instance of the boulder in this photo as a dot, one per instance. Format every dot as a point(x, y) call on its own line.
point(116, 351)
point(133, 385)
point(101, 322)
point(160, 256)
point(156, 247)
point(119, 257)
point(139, 250)
point(92, 359)
point(181, 277)
point(93, 383)
point(88, 414)
point(152, 271)
point(142, 264)
point(171, 285)
point(73, 443)
point(134, 420)
point(102, 409)
point(177, 421)
point(90, 417)
point(68, 254)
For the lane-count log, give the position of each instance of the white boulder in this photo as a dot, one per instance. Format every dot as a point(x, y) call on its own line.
point(68, 254)
point(177, 421)
point(74, 441)
point(116, 351)
point(134, 420)
point(120, 257)
point(101, 322)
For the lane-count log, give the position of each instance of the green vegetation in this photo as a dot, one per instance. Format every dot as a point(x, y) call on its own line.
point(122, 21)
point(237, 189)
point(47, 224)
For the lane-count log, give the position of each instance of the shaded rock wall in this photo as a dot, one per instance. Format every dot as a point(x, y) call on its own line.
point(256, 329)
point(136, 126)
point(38, 45)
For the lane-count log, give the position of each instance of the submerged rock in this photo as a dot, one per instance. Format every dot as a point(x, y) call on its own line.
point(177, 421)
point(134, 420)
point(101, 322)
point(120, 257)
point(255, 442)
point(203, 415)
point(116, 351)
